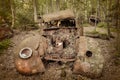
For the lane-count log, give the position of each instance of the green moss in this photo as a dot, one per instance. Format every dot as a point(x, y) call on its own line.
point(4, 44)
point(113, 30)
point(92, 32)
point(102, 24)
point(96, 34)
point(86, 25)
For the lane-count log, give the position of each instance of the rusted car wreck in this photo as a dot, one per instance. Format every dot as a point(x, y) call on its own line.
point(60, 41)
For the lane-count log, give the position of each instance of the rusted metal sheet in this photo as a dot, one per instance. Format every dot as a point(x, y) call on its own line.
point(65, 14)
point(30, 66)
point(33, 64)
point(61, 44)
point(82, 46)
point(89, 60)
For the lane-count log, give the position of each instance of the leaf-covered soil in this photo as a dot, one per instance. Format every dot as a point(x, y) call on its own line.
point(55, 70)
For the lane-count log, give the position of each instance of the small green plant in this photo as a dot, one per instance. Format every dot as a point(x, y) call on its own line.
point(4, 44)
point(102, 24)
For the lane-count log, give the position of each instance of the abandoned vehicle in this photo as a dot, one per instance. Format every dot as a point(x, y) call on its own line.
point(60, 41)
point(93, 19)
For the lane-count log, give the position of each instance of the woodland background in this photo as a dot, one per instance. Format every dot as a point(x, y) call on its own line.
point(19, 14)
point(19, 17)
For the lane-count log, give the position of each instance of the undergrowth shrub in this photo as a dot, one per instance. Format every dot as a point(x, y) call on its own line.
point(4, 44)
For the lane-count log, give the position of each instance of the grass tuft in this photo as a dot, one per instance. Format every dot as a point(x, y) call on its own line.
point(4, 44)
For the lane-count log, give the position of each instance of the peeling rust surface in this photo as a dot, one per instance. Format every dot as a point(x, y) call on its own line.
point(61, 44)
point(31, 65)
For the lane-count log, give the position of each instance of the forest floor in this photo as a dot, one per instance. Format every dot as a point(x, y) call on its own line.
point(111, 71)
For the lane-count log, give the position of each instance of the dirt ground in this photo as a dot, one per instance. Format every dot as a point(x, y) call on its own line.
point(55, 70)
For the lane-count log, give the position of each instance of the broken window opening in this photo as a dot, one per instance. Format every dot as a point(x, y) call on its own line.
point(68, 23)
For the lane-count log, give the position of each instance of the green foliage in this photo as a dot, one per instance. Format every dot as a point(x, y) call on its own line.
point(23, 19)
point(5, 12)
point(4, 44)
point(93, 11)
point(63, 6)
point(102, 24)
point(23, 13)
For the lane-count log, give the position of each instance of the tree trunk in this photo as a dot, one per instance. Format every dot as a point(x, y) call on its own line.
point(118, 27)
point(51, 6)
point(35, 10)
point(96, 14)
point(12, 12)
point(80, 28)
point(107, 20)
point(106, 12)
point(57, 5)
